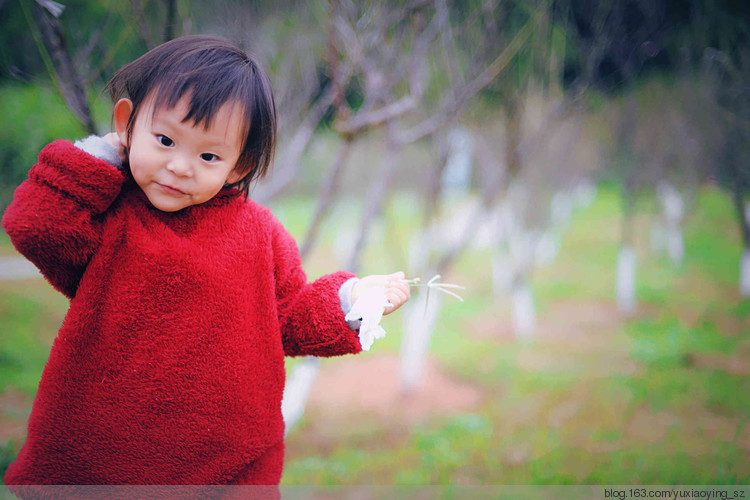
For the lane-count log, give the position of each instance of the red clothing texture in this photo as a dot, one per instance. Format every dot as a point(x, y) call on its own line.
point(168, 368)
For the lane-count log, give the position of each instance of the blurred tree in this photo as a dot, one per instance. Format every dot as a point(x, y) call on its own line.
point(730, 69)
point(75, 46)
point(44, 24)
point(78, 44)
point(617, 43)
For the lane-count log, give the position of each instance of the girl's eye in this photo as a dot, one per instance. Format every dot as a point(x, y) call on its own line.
point(164, 140)
point(209, 157)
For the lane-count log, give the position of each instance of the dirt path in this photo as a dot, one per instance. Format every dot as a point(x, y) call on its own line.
point(368, 384)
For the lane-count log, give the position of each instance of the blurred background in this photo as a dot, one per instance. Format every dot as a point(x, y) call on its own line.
point(581, 168)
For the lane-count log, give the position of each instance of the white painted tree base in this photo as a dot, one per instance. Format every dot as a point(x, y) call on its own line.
point(524, 313)
point(745, 274)
point(546, 248)
point(502, 273)
point(625, 287)
point(676, 244)
point(419, 324)
point(585, 193)
point(674, 210)
point(297, 389)
point(658, 236)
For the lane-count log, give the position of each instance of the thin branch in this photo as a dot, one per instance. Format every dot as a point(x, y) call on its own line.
point(448, 44)
point(59, 63)
point(290, 163)
point(360, 121)
point(171, 20)
point(140, 20)
point(469, 90)
point(85, 53)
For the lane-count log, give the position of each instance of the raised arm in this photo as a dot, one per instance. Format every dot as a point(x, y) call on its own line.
point(56, 214)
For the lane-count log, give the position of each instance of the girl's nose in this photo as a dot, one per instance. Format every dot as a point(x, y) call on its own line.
point(180, 167)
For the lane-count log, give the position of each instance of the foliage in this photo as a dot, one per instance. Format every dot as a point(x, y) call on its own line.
point(23, 354)
point(8, 454)
point(30, 117)
point(98, 33)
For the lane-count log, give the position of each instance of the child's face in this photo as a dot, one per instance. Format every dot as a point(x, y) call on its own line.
point(178, 164)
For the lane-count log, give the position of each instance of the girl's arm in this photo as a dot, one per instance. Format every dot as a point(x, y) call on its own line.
point(310, 314)
point(56, 214)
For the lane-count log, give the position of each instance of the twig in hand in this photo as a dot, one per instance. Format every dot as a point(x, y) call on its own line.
point(435, 284)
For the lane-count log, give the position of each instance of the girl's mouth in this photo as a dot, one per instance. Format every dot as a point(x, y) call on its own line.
point(170, 190)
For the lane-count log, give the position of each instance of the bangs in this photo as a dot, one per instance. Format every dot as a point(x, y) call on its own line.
point(212, 85)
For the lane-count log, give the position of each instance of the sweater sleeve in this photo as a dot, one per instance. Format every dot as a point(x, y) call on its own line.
point(55, 216)
point(312, 322)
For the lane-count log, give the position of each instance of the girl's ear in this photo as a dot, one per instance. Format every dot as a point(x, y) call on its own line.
point(234, 176)
point(121, 113)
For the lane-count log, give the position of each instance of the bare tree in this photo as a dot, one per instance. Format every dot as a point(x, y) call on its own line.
point(731, 74)
point(387, 51)
point(49, 35)
point(71, 67)
point(618, 39)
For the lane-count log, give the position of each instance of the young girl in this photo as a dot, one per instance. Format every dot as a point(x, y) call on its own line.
point(184, 295)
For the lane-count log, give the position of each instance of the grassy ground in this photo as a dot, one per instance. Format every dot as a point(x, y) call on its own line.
point(661, 397)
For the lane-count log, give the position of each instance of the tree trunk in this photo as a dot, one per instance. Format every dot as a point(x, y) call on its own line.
point(626, 259)
point(69, 81)
point(745, 273)
point(327, 195)
point(673, 208)
point(524, 312)
point(742, 218)
point(420, 318)
point(502, 273)
point(738, 197)
point(296, 390)
point(626, 296)
point(375, 197)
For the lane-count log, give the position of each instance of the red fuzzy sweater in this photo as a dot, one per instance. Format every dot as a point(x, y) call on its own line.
point(168, 368)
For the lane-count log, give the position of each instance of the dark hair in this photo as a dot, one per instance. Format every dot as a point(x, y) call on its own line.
point(213, 71)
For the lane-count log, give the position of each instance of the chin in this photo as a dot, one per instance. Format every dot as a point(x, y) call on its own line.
point(168, 207)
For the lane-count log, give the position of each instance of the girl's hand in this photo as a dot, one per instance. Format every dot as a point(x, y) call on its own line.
point(114, 140)
point(396, 289)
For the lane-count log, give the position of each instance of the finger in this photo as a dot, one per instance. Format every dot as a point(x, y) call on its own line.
point(396, 300)
point(397, 295)
point(402, 291)
point(391, 308)
point(403, 286)
point(395, 281)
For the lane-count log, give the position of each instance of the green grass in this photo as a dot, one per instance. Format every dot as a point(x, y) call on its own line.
point(661, 397)
point(26, 344)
